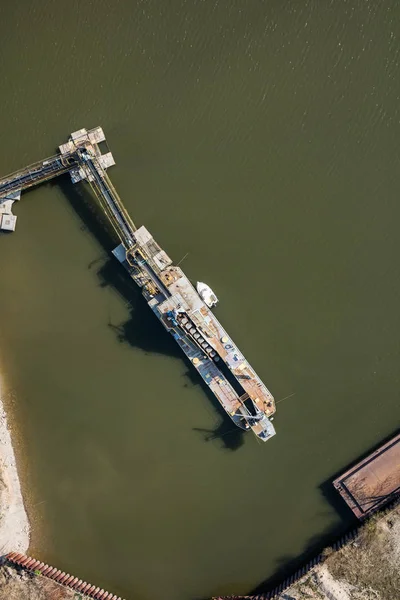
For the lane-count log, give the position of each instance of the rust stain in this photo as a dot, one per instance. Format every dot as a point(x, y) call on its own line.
point(30, 564)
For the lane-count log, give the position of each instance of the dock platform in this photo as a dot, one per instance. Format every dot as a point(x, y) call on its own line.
point(373, 482)
point(69, 160)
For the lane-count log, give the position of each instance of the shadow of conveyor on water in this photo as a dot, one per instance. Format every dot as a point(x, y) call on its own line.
point(142, 329)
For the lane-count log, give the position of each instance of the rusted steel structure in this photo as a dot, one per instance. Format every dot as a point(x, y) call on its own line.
point(83, 588)
point(373, 482)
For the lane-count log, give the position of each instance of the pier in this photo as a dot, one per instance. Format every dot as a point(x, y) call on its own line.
point(68, 160)
point(166, 289)
point(82, 159)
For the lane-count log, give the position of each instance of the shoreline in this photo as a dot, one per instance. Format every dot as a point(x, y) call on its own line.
point(14, 523)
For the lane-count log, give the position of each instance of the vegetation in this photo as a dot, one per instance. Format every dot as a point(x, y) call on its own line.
point(371, 563)
point(367, 568)
point(18, 585)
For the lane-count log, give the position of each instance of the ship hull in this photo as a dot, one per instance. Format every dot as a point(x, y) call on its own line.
point(199, 334)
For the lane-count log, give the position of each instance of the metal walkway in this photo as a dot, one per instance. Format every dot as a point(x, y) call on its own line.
point(82, 158)
point(37, 173)
point(108, 198)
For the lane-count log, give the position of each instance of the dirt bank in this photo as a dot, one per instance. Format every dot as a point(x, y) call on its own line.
point(14, 525)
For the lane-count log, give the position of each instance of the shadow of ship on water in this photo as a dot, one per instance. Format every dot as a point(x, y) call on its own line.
point(142, 329)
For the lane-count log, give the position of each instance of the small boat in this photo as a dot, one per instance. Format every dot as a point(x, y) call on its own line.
point(206, 294)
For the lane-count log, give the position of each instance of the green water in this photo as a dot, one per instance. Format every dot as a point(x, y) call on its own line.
point(262, 138)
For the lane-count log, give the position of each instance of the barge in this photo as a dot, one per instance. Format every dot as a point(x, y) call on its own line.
point(373, 482)
point(199, 334)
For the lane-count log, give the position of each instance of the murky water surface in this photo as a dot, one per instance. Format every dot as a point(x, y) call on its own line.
point(262, 138)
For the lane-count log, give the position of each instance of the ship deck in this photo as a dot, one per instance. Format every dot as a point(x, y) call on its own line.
point(207, 323)
point(372, 482)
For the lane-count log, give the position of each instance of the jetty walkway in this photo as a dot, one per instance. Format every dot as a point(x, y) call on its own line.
point(81, 157)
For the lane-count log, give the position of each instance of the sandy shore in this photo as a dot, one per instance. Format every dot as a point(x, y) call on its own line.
point(14, 524)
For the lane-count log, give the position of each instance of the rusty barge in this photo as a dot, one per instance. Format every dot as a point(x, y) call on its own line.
point(373, 482)
point(183, 311)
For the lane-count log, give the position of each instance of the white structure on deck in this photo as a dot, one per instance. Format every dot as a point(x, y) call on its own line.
point(8, 221)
